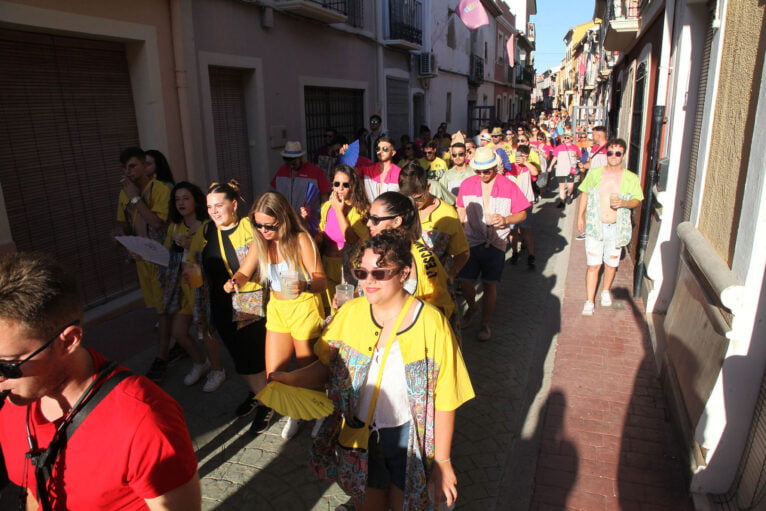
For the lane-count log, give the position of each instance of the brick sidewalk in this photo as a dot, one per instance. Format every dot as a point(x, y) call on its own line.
point(606, 444)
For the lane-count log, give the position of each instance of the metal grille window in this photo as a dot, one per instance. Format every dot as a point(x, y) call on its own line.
point(67, 110)
point(355, 13)
point(335, 5)
point(405, 20)
point(326, 107)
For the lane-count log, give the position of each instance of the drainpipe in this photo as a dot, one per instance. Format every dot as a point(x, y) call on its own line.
point(646, 212)
point(381, 77)
point(182, 89)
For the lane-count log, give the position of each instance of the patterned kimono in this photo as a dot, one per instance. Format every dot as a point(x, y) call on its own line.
point(436, 379)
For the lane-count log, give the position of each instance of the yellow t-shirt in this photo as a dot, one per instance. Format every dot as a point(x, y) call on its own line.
point(443, 232)
point(355, 218)
point(429, 337)
point(432, 279)
point(155, 194)
point(434, 168)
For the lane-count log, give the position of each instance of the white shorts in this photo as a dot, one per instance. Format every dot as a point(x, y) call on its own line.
point(604, 250)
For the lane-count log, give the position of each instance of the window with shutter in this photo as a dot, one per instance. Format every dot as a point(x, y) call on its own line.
point(67, 110)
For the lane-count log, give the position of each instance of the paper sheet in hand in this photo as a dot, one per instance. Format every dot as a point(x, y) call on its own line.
point(148, 249)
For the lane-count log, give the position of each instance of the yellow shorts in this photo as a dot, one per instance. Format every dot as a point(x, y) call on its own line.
point(302, 317)
point(150, 286)
point(332, 270)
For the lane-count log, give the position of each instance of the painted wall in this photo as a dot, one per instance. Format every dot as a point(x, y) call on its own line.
point(744, 41)
point(294, 52)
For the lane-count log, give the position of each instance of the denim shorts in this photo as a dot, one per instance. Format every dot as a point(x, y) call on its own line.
point(387, 457)
point(485, 261)
point(527, 222)
point(604, 250)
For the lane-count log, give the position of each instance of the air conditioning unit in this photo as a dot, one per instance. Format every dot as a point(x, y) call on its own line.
point(426, 64)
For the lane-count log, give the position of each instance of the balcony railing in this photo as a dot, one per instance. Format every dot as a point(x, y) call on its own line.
point(622, 23)
point(405, 21)
point(327, 11)
point(509, 74)
point(476, 72)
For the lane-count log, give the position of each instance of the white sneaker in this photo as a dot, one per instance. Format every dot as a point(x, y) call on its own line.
point(317, 424)
point(197, 371)
point(587, 309)
point(214, 380)
point(290, 428)
point(606, 298)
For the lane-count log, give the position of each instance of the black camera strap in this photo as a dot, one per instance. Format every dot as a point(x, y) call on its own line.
point(44, 459)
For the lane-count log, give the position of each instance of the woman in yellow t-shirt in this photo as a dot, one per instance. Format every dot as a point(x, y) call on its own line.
point(392, 210)
point(341, 227)
point(404, 348)
point(187, 213)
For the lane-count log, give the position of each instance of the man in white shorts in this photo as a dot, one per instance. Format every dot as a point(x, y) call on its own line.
point(609, 194)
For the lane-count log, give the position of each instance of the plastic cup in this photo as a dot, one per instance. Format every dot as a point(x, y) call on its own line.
point(343, 293)
point(194, 275)
point(288, 281)
point(612, 198)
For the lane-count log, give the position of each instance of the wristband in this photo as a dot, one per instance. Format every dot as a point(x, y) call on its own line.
point(443, 461)
point(308, 286)
point(135, 200)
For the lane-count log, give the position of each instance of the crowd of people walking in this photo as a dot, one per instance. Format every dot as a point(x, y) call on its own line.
point(350, 274)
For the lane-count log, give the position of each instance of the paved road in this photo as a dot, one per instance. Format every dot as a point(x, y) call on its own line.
point(495, 447)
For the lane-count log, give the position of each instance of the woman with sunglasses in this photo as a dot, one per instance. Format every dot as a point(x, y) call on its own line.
point(341, 227)
point(404, 347)
point(428, 280)
point(243, 335)
point(283, 256)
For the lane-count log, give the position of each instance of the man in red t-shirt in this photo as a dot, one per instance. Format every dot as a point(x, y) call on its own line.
point(131, 451)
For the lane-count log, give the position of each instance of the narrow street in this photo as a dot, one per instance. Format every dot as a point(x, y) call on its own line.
point(498, 435)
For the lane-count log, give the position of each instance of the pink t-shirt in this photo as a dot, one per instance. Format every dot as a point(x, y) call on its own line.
point(505, 199)
point(371, 180)
point(332, 229)
point(567, 156)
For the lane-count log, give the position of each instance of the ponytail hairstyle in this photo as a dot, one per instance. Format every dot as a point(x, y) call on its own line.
point(397, 204)
point(288, 232)
point(230, 189)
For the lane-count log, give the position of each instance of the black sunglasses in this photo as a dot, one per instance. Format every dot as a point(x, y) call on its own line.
point(455, 155)
point(377, 219)
point(12, 370)
point(484, 172)
point(377, 274)
point(336, 184)
point(381, 149)
point(614, 153)
point(268, 227)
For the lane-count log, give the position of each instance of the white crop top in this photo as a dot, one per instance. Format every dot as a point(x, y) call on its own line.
point(274, 271)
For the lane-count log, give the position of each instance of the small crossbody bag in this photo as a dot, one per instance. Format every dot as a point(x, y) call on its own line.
point(358, 437)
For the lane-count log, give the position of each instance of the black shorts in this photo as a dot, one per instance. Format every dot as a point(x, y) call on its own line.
point(247, 346)
point(569, 178)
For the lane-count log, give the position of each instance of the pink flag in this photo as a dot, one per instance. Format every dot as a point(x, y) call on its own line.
point(509, 48)
point(472, 13)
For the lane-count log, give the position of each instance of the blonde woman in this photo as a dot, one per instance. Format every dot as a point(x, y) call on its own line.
point(283, 256)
